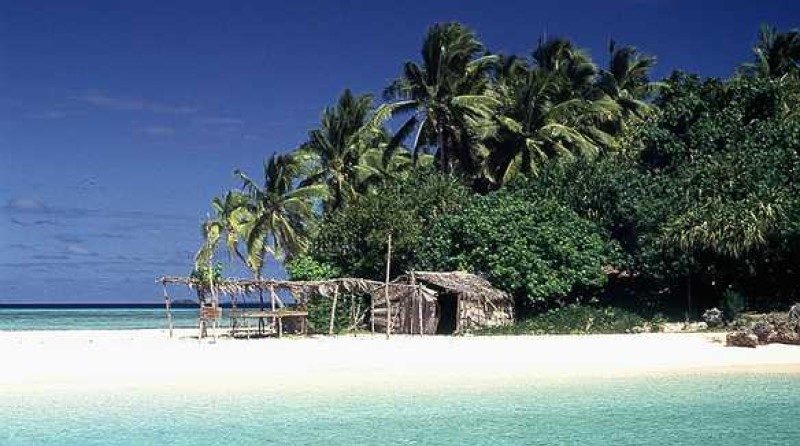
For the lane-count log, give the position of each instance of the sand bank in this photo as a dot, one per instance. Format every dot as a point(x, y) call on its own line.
point(42, 360)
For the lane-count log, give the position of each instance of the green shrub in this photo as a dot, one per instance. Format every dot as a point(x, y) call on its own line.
point(307, 268)
point(539, 250)
point(319, 307)
point(575, 319)
point(319, 312)
point(353, 239)
point(733, 303)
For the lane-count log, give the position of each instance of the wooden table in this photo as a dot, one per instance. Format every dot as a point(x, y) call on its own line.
point(278, 315)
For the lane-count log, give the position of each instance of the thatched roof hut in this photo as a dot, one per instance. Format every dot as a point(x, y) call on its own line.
point(455, 302)
point(420, 302)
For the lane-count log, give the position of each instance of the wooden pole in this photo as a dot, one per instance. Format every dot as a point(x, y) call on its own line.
point(372, 312)
point(458, 314)
point(273, 298)
point(688, 290)
point(333, 309)
point(420, 300)
point(214, 308)
point(386, 288)
point(168, 306)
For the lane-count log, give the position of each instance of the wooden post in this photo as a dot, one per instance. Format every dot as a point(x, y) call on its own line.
point(214, 308)
point(372, 311)
point(386, 288)
point(273, 298)
point(168, 306)
point(420, 300)
point(353, 313)
point(688, 290)
point(333, 309)
point(458, 314)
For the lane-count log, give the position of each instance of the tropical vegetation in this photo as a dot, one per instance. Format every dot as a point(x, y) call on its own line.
point(560, 180)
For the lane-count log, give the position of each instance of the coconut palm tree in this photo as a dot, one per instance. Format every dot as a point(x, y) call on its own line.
point(445, 97)
point(282, 216)
point(230, 218)
point(627, 80)
point(547, 112)
point(776, 53)
point(350, 153)
point(570, 65)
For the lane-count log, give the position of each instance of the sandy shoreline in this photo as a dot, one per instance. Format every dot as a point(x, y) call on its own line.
point(45, 360)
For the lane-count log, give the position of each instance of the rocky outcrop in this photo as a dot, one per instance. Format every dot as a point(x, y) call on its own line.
point(772, 329)
point(741, 338)
point(713, 317)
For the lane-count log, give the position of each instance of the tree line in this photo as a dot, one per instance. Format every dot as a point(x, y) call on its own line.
point(557, 179)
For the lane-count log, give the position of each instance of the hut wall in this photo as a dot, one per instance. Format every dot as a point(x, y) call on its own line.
point(476, 314)
point(408, 320)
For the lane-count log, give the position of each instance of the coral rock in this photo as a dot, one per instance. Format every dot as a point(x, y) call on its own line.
point(741, 339)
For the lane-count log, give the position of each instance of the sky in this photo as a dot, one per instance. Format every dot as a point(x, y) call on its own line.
point(119, 121)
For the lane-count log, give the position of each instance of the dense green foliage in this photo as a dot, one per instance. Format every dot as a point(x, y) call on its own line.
point(534, 248)
point(557, 179)
point(579, 319)
point(354, 240)
point(319, 308)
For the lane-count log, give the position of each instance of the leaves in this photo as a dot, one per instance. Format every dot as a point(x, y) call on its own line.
point(537, 249)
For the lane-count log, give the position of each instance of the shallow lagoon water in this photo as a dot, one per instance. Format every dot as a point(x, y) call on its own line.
point(690, 410)
point(93, 318)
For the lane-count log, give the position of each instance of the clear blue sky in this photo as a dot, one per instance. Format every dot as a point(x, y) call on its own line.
point(120, 120)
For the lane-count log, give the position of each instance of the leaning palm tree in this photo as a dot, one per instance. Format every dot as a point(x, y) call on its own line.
point(627, 80)
point(282, 216)
point(546, 113)
point(230, 218)
point(776, 53)
point(445, 98)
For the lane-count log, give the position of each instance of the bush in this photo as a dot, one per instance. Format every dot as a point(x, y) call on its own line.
point(733, 303)
point(539, 250)
point(307, 268)
point(319, 312)
point(319, 307)
point(353, 240)
point(575, 319)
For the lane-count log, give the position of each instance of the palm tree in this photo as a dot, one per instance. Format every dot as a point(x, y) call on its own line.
point(627, 81)
point(228, 221)
point(562, 60)
point(350, 152)
point(446, 97)
point(547, 112)
point(776, 53)
point(282, 216)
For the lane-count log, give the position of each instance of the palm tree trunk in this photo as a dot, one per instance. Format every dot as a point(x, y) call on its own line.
point(444, 155)
point(260, 305)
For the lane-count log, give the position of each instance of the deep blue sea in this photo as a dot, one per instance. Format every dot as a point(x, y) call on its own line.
point(717, 410)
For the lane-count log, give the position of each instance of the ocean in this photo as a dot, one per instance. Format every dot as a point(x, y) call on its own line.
point(712, 410)
point(689, 410)
point(93, 317)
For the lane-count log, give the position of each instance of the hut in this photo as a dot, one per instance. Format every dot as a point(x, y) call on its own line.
point(448, 303)
point(419, 303)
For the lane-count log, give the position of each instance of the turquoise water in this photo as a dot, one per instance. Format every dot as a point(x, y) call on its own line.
point(92, 318)
point(719, 410)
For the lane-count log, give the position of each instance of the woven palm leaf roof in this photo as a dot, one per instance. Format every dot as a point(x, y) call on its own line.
point(467, 285)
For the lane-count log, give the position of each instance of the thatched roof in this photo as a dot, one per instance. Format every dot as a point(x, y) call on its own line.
point(466, 285)
point(232, 286)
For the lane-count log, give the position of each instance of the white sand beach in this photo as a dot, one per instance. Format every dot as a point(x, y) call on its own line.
point(42, 360)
